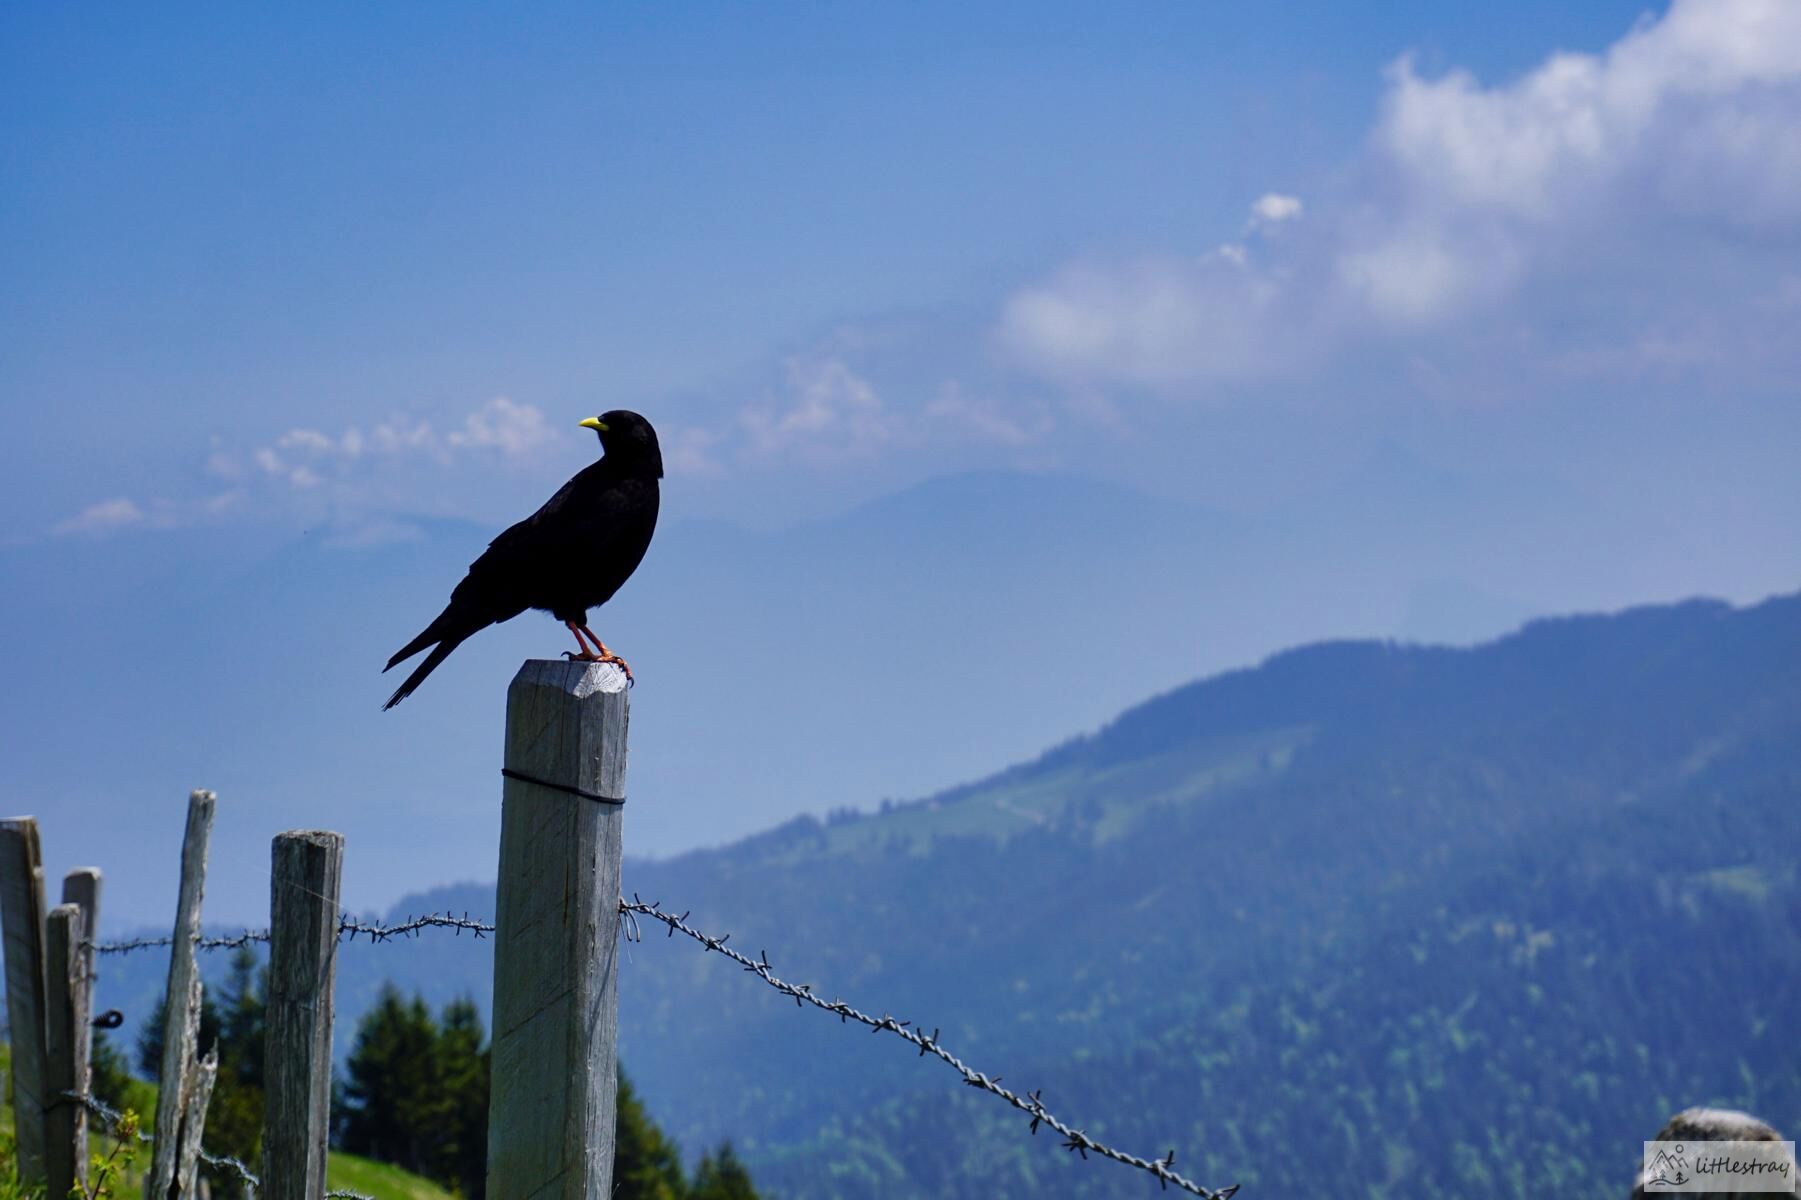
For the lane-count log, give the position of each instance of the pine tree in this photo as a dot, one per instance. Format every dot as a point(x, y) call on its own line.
point(416, 1095)
point(463, 1065)
point(390, 1100)
point(722, 1177)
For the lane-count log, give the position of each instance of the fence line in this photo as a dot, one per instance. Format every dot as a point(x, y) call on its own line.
point(1074, 1140)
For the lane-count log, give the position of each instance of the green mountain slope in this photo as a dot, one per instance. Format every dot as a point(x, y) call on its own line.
point(1432, 922)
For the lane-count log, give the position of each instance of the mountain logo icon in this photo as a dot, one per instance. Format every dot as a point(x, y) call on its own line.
point(1668, 1169)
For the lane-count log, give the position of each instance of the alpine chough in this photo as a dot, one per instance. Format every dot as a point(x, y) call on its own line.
point(569, 556)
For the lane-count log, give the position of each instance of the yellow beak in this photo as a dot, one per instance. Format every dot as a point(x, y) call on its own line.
point(595, 423)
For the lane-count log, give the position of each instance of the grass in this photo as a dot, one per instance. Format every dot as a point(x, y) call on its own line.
point(379, 1180)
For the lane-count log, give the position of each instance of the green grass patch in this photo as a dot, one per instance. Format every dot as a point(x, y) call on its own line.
point(379, 1180)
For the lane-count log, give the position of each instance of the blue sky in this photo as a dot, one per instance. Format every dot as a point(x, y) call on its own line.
point(224, 225)
point(341, 272)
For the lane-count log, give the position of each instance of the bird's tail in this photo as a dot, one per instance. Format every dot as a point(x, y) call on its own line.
point(448, 632)
point(439, 653)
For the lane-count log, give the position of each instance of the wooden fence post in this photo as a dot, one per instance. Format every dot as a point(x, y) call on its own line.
point(180, 1079)
point(303, 954)
point(66, 1049)
point(22, 914)
point(556, 953)
point(81, 887)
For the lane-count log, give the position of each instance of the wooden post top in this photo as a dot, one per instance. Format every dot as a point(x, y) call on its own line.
point(579, 679)
point(314, 837)
point(566, 726)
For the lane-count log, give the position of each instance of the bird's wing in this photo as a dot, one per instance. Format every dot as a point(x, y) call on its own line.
point(583, 518)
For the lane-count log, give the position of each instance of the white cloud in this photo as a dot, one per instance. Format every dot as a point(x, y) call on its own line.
point(394, 464)
point(1690, 118)
point(1581, 122)
point(1152, 322)
point(1273, 208)
point(501, 424)
point(306, 458)
point(392, 438)
point(108, 515)
point(826, 411)
point(1424, 272)
point(120, 513)
point(982, 419)
point(306, 439)
point(1638, 171)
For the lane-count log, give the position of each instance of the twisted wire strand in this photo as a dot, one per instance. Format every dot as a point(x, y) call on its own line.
point(1074, 1140)
point(348, 929)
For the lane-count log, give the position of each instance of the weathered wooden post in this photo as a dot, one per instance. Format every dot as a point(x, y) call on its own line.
point(556, 954)
point(22, 918)
point(303, 954)
point(81, 887)
point(66, 1050)
point(182, 1078)
point(197, 1093)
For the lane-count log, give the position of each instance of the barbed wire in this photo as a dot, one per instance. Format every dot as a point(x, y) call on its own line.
point(1074, 1140)
point(378, 932)
point(231, 942)
point(115, 1121)
point(348, 929)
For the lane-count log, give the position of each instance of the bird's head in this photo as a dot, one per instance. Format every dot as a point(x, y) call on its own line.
point(628, 437)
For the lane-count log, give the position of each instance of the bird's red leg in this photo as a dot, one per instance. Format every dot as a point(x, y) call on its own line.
point(607, 655)
point(586, 654)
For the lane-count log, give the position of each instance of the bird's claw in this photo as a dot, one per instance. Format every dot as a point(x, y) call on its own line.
point(590, 656)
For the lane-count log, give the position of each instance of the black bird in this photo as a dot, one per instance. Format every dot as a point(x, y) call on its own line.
point(569, 556)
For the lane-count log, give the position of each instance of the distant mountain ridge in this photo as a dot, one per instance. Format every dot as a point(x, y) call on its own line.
point(923, 637)
point(1365, 916)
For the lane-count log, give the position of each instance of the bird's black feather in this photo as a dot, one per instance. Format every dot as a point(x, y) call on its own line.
point(569, 556)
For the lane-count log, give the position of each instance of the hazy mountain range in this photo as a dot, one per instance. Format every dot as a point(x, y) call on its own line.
point(896, 649)
point(1382, 919)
